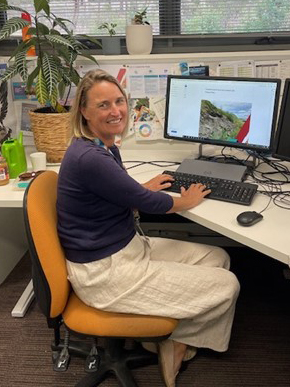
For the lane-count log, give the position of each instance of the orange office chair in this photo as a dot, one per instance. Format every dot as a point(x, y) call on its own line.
point(61, 306)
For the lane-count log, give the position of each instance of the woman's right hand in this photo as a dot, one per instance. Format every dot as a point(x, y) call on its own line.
point(189, 198)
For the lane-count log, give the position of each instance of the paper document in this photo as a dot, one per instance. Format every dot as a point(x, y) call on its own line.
point(157, 104)
point(267, 69)
point(147, 80)
point(146, 125)
point(236, 69)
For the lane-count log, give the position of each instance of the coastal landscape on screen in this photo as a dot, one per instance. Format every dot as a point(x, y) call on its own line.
point(224, 120)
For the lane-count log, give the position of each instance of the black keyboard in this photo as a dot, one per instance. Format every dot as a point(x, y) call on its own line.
point(221, 189)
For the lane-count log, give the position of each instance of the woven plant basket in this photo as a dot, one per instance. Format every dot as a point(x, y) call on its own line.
point(51, 133)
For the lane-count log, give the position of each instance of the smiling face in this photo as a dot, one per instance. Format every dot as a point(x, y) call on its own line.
point(106, 111)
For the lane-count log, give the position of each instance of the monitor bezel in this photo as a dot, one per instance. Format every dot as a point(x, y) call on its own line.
point(220, 142)
point(278, 133)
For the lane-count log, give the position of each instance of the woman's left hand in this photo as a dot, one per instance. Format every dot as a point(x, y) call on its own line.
point(159, 182)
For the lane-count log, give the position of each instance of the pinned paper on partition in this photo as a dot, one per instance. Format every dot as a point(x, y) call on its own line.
point(25, 119)
point(191, 68)
point(148, 131)
point(236, 69)
point(157, 104)
point(147, 80)
point(184, 70)
point(3, 67)
point(267, 69)
point(19, 91)
point(146, 125)
point(119, 72)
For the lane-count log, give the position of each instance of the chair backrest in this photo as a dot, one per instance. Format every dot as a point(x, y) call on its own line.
point(49, 272)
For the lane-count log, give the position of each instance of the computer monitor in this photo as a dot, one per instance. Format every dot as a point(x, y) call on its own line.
point(233, 112)
point(282, 136)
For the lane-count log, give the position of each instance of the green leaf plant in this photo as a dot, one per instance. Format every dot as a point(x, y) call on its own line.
point(110, 27)
point(140, 17)
point(57, 50)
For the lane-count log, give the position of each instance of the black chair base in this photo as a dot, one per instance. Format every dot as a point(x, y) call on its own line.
point(114, 360)
point(117, 361)
point(76, 348)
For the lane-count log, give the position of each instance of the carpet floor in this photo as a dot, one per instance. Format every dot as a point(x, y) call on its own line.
point(259, 353)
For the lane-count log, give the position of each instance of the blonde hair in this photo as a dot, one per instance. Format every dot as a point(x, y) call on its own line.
point(79, 127)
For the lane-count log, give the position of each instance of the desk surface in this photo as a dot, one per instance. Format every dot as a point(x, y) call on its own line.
point(270, 236)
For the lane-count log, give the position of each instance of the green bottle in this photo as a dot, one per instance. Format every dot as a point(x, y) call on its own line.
point(13, 151)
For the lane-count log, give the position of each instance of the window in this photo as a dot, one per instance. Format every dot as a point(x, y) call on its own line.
point(88, 15)
point(179, 25)
point(234, 16)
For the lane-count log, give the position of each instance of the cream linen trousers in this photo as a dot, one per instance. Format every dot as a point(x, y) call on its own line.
point(164, 277)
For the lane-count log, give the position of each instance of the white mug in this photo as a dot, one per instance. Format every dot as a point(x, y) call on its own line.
point(38, 161)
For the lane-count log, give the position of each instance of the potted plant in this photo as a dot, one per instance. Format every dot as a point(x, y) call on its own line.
point(52, 75)
point(139, 36)
point(5, 132)
point(111, 44)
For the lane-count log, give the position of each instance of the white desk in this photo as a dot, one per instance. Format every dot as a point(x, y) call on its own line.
point(270, 236)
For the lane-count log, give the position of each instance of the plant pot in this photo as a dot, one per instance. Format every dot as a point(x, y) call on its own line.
point(139, 39)
point(111, 45)
point(51, 132)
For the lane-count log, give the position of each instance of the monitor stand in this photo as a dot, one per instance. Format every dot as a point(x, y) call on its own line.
point(250, 162)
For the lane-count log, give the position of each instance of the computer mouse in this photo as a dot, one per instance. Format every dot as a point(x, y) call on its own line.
point(248, 218)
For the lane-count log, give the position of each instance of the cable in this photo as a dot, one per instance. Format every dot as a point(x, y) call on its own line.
point(138, 164)
point(271, 181)
point(264, 209)
point(160, 163)
point(164, 163)
point(270, 185)
point(226, 157)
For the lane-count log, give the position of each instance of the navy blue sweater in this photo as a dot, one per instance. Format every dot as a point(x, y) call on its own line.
point(95, 200)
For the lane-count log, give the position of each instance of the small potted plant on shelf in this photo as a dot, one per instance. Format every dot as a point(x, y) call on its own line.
point(140, 17)
point(111, 44)
point(50, 74)
point(139, 35)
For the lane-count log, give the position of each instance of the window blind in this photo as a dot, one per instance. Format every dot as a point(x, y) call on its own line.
point(174, 17)
point(234, 16)
point(88, 15)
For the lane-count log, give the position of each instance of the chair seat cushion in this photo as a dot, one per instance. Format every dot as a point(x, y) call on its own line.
point(90, 321)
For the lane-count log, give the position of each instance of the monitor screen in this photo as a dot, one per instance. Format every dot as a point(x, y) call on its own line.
point(282, 137)
point(234, 112)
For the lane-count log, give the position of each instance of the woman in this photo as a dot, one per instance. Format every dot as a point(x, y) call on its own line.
point(110, 266)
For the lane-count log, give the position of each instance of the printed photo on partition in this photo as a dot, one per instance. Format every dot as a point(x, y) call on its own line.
point(142, 111)
point(5, 131)
point(19, 91)
point(68, 96)
point(223, 120)
point(146, 124)
point(3, 67)
point(25, 119)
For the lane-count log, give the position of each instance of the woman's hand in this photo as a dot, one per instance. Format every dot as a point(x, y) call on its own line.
point(189, 198)
point(159, 182)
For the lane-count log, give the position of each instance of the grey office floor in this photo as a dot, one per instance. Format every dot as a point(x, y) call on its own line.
point(259, 354)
